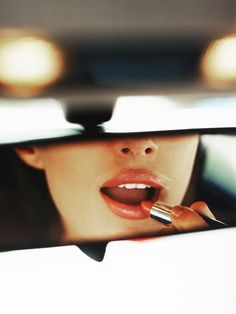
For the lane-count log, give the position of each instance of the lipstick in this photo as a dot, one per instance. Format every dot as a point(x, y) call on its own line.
point(161, 212)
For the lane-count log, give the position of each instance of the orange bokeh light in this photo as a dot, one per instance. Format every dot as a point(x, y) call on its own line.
point(28, 63)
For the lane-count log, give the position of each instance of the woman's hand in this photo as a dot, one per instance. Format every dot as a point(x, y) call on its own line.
point(188, 218)
point(183, 218)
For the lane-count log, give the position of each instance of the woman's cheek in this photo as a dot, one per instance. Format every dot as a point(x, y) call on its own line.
point(74, 172)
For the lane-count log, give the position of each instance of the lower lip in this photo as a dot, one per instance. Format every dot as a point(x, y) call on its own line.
point(132, 212)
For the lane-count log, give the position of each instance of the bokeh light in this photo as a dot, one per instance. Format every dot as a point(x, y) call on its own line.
point(219, 63)
point(28, 63)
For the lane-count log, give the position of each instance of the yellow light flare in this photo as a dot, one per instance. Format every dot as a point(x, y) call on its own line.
point(29, 63)
point(219, 63)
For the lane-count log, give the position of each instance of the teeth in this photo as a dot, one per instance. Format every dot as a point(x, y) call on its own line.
point(141, 186)
point(130, 186)
point(121, 186)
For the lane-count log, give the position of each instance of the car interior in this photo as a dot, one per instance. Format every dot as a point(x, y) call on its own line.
point(117, 156)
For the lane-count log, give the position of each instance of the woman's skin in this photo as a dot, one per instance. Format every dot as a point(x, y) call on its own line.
point(86, 182)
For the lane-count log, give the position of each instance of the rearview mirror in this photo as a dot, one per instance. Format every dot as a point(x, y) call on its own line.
point(81, 187)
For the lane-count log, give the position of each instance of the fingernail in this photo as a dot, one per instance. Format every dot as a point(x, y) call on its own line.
point(177, 211)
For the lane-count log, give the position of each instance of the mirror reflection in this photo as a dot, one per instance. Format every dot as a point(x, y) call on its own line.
point(98, 191)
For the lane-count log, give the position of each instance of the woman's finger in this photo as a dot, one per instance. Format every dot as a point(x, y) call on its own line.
point(202, 208)
point(169, 229)
point(186, 219)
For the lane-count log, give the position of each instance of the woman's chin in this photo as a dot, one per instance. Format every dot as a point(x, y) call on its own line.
point(110, 237)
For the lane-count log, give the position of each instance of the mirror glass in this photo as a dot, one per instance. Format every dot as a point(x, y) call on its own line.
point(101, 190)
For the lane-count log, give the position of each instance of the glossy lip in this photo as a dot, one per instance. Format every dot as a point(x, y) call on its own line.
point(133, 212)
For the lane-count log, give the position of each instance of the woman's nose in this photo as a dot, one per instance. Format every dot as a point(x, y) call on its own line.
point(141, 148)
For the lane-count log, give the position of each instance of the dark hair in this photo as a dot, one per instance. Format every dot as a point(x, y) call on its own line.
point(206, 188)
point(28, 215)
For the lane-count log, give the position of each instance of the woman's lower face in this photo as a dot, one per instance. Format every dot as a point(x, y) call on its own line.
point(98, 187)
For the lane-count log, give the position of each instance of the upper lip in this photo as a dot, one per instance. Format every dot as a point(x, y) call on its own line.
point(134, 176)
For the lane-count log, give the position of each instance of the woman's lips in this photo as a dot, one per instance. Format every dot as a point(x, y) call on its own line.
point(125, 192)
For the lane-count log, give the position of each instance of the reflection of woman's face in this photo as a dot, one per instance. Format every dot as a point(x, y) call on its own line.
point(98, 186)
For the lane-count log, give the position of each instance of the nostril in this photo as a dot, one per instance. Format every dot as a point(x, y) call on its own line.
point(148, 150)
point(136, 148)
point(125, 150)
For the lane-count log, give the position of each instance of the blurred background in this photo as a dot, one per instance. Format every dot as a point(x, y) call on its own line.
point(77, 19)
point(58, 47)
